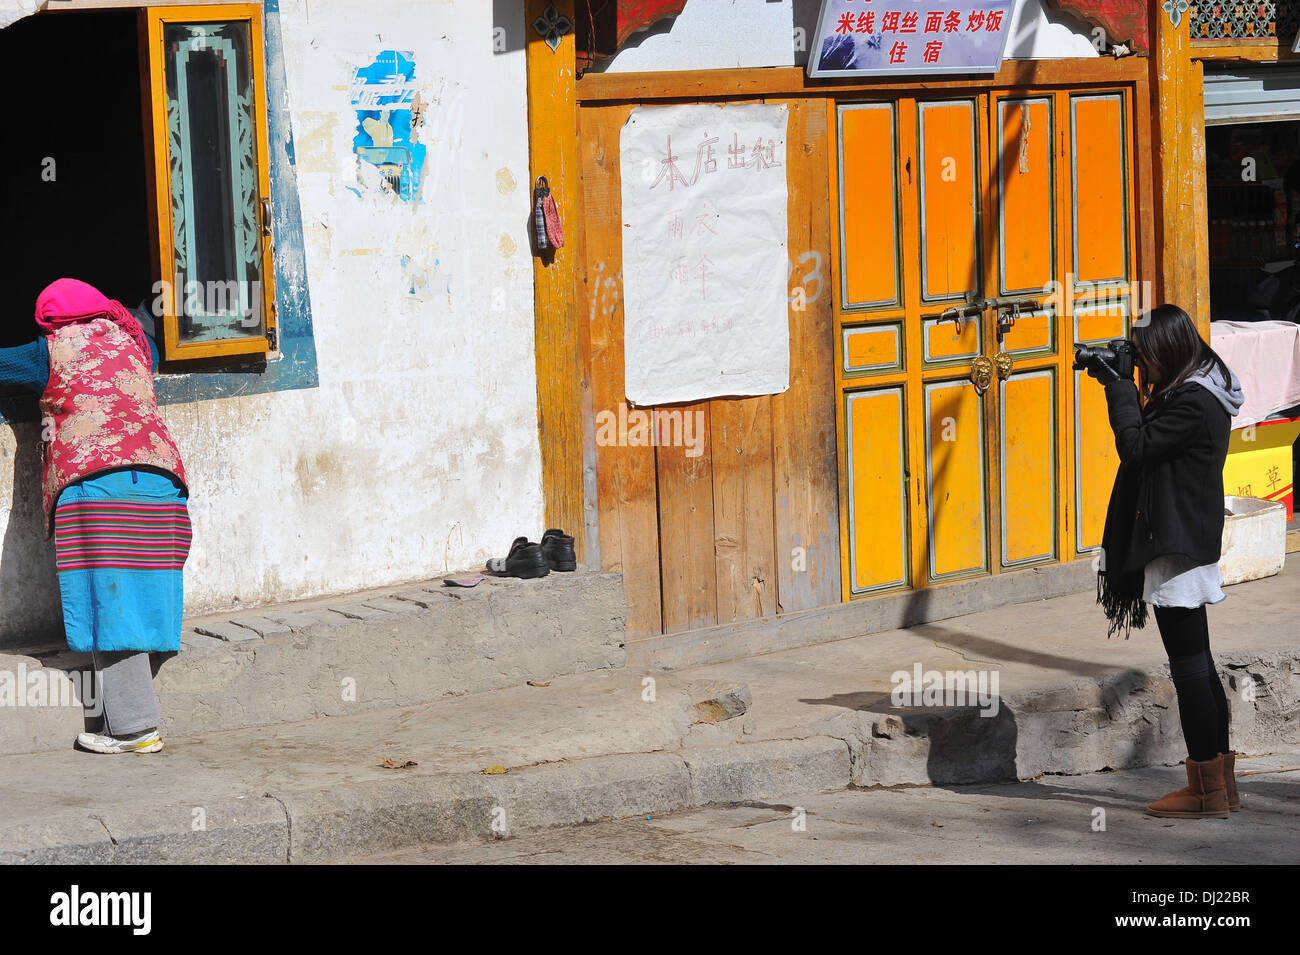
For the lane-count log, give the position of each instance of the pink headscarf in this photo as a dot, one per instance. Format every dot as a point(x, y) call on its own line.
point(69, 301)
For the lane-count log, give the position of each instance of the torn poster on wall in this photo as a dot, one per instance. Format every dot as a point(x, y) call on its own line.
point(705, 304)
point(389, 115)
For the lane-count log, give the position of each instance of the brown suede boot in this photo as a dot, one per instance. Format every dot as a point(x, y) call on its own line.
point(1204, 796)
point(1230, 780)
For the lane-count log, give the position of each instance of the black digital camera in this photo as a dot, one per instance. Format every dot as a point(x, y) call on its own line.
point(1118, 353)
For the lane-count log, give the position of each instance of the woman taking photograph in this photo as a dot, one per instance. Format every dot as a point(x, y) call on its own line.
point(115, 500)
point(1164, 530)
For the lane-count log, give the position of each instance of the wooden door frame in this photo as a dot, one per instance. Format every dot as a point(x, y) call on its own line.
point(562, 300)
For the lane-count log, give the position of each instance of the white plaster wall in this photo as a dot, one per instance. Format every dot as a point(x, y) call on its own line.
point(11, 10)
point(1038, 35)
point(419, 451)
point(761, 33)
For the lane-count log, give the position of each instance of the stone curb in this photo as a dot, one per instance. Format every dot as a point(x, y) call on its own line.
point(331, 825)
point(1124, 719)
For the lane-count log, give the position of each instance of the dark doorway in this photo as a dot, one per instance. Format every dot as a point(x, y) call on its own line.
point(73, 193)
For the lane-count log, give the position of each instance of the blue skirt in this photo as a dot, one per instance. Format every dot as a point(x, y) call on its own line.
point(120, 541)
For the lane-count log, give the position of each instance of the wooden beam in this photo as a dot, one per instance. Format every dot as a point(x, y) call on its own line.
point(1255, 51)
point(68, 6)
point(791, 81)
point(1178, 117)
point(1148, 264)
point(1200, 221)
point(559, 335)
point(805, 465)
point(627, 490)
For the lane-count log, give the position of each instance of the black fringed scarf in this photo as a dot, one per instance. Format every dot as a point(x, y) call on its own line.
point(1119, 589)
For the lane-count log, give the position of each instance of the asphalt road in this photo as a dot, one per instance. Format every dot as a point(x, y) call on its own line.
point(1096, 819)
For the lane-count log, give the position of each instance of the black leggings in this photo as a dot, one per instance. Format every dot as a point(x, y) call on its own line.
point(1202, 705)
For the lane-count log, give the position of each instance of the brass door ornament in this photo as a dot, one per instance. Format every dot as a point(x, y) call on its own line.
point(1003, 362)
point(981, 373)
point(982, 368)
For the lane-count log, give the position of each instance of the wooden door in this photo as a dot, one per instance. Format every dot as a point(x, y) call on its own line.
point(748, 526)
point(1007, 196)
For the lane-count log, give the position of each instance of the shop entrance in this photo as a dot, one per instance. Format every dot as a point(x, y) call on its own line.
point(1252, 179)
point(977, 238)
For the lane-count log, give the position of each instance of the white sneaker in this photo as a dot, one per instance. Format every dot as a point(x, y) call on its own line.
point(147, 742)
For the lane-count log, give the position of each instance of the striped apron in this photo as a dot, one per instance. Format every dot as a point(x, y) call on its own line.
point(120, 540)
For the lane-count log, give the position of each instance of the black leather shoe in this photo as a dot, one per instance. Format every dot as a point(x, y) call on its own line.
point(558, 548)
point(525, 560)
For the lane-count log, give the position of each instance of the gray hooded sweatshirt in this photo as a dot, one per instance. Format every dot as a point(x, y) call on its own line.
point(1228, 393)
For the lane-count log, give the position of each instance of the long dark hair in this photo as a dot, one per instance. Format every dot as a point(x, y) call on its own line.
point(1171, 350)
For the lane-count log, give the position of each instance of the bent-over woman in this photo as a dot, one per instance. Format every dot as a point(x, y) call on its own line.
point(115, 501)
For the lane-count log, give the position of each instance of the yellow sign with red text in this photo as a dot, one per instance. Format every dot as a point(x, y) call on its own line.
point(1259, 462)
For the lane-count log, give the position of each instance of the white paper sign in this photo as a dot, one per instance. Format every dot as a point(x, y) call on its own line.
point(705, 267)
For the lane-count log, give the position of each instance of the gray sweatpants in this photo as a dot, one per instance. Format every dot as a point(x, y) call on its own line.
point(125, 685)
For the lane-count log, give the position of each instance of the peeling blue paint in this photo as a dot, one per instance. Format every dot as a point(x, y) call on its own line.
point(387, 136)
point(415, 278)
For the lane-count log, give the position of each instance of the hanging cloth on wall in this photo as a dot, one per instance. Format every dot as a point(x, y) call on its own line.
point(546, 217)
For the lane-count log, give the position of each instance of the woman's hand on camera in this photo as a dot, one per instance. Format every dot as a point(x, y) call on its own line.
point(1102, 370)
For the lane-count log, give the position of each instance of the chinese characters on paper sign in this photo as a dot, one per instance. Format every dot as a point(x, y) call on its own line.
point(704, 260)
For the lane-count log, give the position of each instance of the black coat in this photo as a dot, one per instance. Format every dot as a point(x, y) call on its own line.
point(1169, 488)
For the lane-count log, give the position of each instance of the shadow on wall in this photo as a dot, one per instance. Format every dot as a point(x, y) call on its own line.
point(30, 613)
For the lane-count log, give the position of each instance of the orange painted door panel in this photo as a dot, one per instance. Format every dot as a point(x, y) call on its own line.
point(878, 520)
point(949, 184)
point(1021, 198)
point(870, 227)
point(956, 479)
point(1028, 460)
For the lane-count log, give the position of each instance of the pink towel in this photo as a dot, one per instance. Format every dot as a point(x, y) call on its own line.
point(68, 301)
point(1266, 358)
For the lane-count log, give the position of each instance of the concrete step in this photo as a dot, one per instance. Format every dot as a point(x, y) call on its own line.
point(339, 656)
